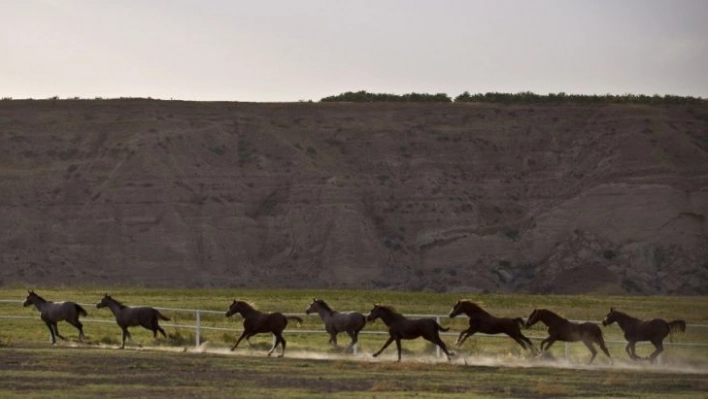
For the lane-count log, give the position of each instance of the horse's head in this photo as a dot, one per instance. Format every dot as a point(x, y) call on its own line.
point(533, 318)
point(28, 300)
point(316, 304)
point(457, 309)
point(104, 301)
point(375, 313)
point(610, 318)
point(237, 307)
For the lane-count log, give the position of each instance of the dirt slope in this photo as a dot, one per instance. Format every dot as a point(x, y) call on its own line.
point(465, 197)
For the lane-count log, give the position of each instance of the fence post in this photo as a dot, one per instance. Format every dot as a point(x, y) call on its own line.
point(197, 338)
point(437, 348)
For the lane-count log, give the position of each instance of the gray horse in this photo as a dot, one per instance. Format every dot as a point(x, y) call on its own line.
point(335, 322)
point(129, 317)
point(51, 313)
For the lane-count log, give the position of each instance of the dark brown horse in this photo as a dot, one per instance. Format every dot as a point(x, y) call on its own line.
point(335, 322)
point(256, 322)
point(401, 327)
point(482, 321)
point(560, 329)
point(51, 313)
point(636, 330)
point(129, 317)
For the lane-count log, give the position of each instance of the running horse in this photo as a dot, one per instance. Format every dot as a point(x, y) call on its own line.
point(51, 313)
point(256, 322)
point(336, 322)
point(636, 330)
point(126, 316)
point(484, 322)
point(401, 327)
point(560, 329)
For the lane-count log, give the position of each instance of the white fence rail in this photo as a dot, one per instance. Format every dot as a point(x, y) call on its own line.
point(198, 326)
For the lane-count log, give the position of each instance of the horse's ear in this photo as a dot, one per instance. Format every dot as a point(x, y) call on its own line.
point(612, 308)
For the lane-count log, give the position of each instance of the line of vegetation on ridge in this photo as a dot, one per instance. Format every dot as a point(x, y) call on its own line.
point(525, 97)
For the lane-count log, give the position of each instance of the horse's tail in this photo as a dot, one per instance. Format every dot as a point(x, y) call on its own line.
point(677, 327)
point(81, 310)
point(441, 328)
point(161, 316)
point(519, 321)
point(295, 318)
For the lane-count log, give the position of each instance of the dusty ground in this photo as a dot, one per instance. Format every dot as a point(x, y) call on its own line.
point(86, 372)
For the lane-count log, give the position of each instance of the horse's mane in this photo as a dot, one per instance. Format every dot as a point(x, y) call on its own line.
point(476, 307)
point(388, 308)
point(38, 297)
point(247, 303)
point(324, 305)
point(117, 302)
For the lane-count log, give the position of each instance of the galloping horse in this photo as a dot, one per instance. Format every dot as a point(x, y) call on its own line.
point(255, 322)
point(336, 322)
point(560, 329)
point(51, 313)
point(482, 321)
point(636, 330)
point(401, 327)
point(128, 317)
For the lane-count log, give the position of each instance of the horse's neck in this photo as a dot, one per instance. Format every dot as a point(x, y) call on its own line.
point(472, 310)
point(389, 316)
point(39, 303)
point(626, 321)
point(115, 307)
point(548, 318)
point(324, 312)
point(248, 311)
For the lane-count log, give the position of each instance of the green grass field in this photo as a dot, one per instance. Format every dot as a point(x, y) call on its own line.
point(483, 367)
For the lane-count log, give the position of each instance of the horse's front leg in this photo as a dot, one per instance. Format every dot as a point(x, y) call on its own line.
point(51, 332)
point(464, 335)
point(243, 335)
point(126, 334)
point(398, 347)
point(388, 342)
point(546, 343)
point(56, 331)
point(333, 339)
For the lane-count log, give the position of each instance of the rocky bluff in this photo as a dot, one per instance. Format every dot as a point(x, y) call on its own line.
point(445, 197)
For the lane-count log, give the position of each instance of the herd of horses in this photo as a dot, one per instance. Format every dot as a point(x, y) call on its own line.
point(399, 326)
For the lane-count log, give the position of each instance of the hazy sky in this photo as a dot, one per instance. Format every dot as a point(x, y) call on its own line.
point(291, 50)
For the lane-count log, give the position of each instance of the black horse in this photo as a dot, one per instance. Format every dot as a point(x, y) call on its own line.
point(560, 329)
point(256, 322)
point(401, 327)
point(482, 321)
point(335, 322)
point(636, 330)
point(51, 313)
point(146, 317)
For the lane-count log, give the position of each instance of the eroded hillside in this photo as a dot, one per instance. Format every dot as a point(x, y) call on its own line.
point(465, 197)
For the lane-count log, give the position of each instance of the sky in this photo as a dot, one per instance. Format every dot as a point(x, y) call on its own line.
point(301, 50)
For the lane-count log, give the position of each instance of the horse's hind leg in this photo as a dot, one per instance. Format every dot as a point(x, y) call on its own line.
point(439, 342)
point(659, 348)
point(79, 327)
point(354, 336)
point(592, 350)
